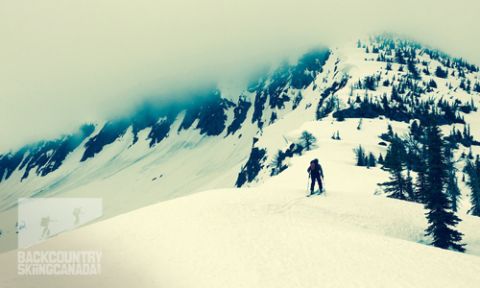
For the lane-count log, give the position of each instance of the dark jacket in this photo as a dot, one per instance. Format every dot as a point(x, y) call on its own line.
point(316, 170)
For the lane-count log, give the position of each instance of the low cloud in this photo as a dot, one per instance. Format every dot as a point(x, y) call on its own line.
point(63, 63)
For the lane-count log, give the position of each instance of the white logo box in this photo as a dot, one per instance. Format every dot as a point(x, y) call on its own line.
point(42, 218)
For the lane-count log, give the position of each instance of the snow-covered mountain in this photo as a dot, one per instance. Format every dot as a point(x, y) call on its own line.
point(164, 151)
point(272, 235)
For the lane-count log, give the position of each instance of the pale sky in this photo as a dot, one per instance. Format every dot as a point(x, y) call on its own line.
point(66, 62)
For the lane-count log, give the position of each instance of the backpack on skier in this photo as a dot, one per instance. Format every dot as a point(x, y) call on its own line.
point(315, 172)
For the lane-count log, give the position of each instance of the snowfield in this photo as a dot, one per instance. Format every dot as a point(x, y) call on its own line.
point(171, 219)
point(271, 235)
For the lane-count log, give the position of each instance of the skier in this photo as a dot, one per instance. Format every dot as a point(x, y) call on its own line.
point(316, 174)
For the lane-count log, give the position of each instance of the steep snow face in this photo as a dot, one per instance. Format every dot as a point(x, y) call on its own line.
point(272, 235)
point(181, 148)
point(160, 152)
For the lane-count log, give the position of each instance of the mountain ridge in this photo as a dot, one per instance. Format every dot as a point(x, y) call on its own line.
point(169, 146)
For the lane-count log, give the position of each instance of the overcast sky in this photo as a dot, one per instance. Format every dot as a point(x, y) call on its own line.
point(66, 62)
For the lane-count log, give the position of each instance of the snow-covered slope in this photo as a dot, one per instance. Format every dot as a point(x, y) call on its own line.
point(160, 152)
point(156, 155)
point(271, 236)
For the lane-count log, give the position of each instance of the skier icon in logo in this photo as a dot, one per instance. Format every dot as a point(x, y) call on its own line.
point(76, 213)
point(44, 223)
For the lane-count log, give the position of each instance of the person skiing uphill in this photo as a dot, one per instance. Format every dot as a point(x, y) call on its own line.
point(316, 175)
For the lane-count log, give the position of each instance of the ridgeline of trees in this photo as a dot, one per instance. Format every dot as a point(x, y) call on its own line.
point(403, 103)
point(390, 49)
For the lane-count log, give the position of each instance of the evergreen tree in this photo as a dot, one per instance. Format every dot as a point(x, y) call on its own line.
point(467, 138)
point(336, 136)
point(441, 220)
point(413, 151)
point(372, 162)
point(399, 57)
point(426, 71)
point(477, 87)
point(395, 95)
point(396, 186)
point(390, 130)
point(307, 140)
point(473, 172)
point(360, 155)
point(440, 73)
point(380, 159)
point(452, 184)
point(413, 70)
point(360, 122)
point(370, 83)
point(395, 153)
point(409, 186)
point(421, 185)
point(415, 130)
point(277, 163)
point(470, 154)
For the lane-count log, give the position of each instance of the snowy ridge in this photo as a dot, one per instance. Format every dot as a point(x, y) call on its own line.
point(272, 236)
point(162, 154)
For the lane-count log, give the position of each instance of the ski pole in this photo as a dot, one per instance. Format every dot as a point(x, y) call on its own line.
point(308, 181)
point(323, 186)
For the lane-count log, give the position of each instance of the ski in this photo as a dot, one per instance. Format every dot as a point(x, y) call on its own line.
point(317, 193)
